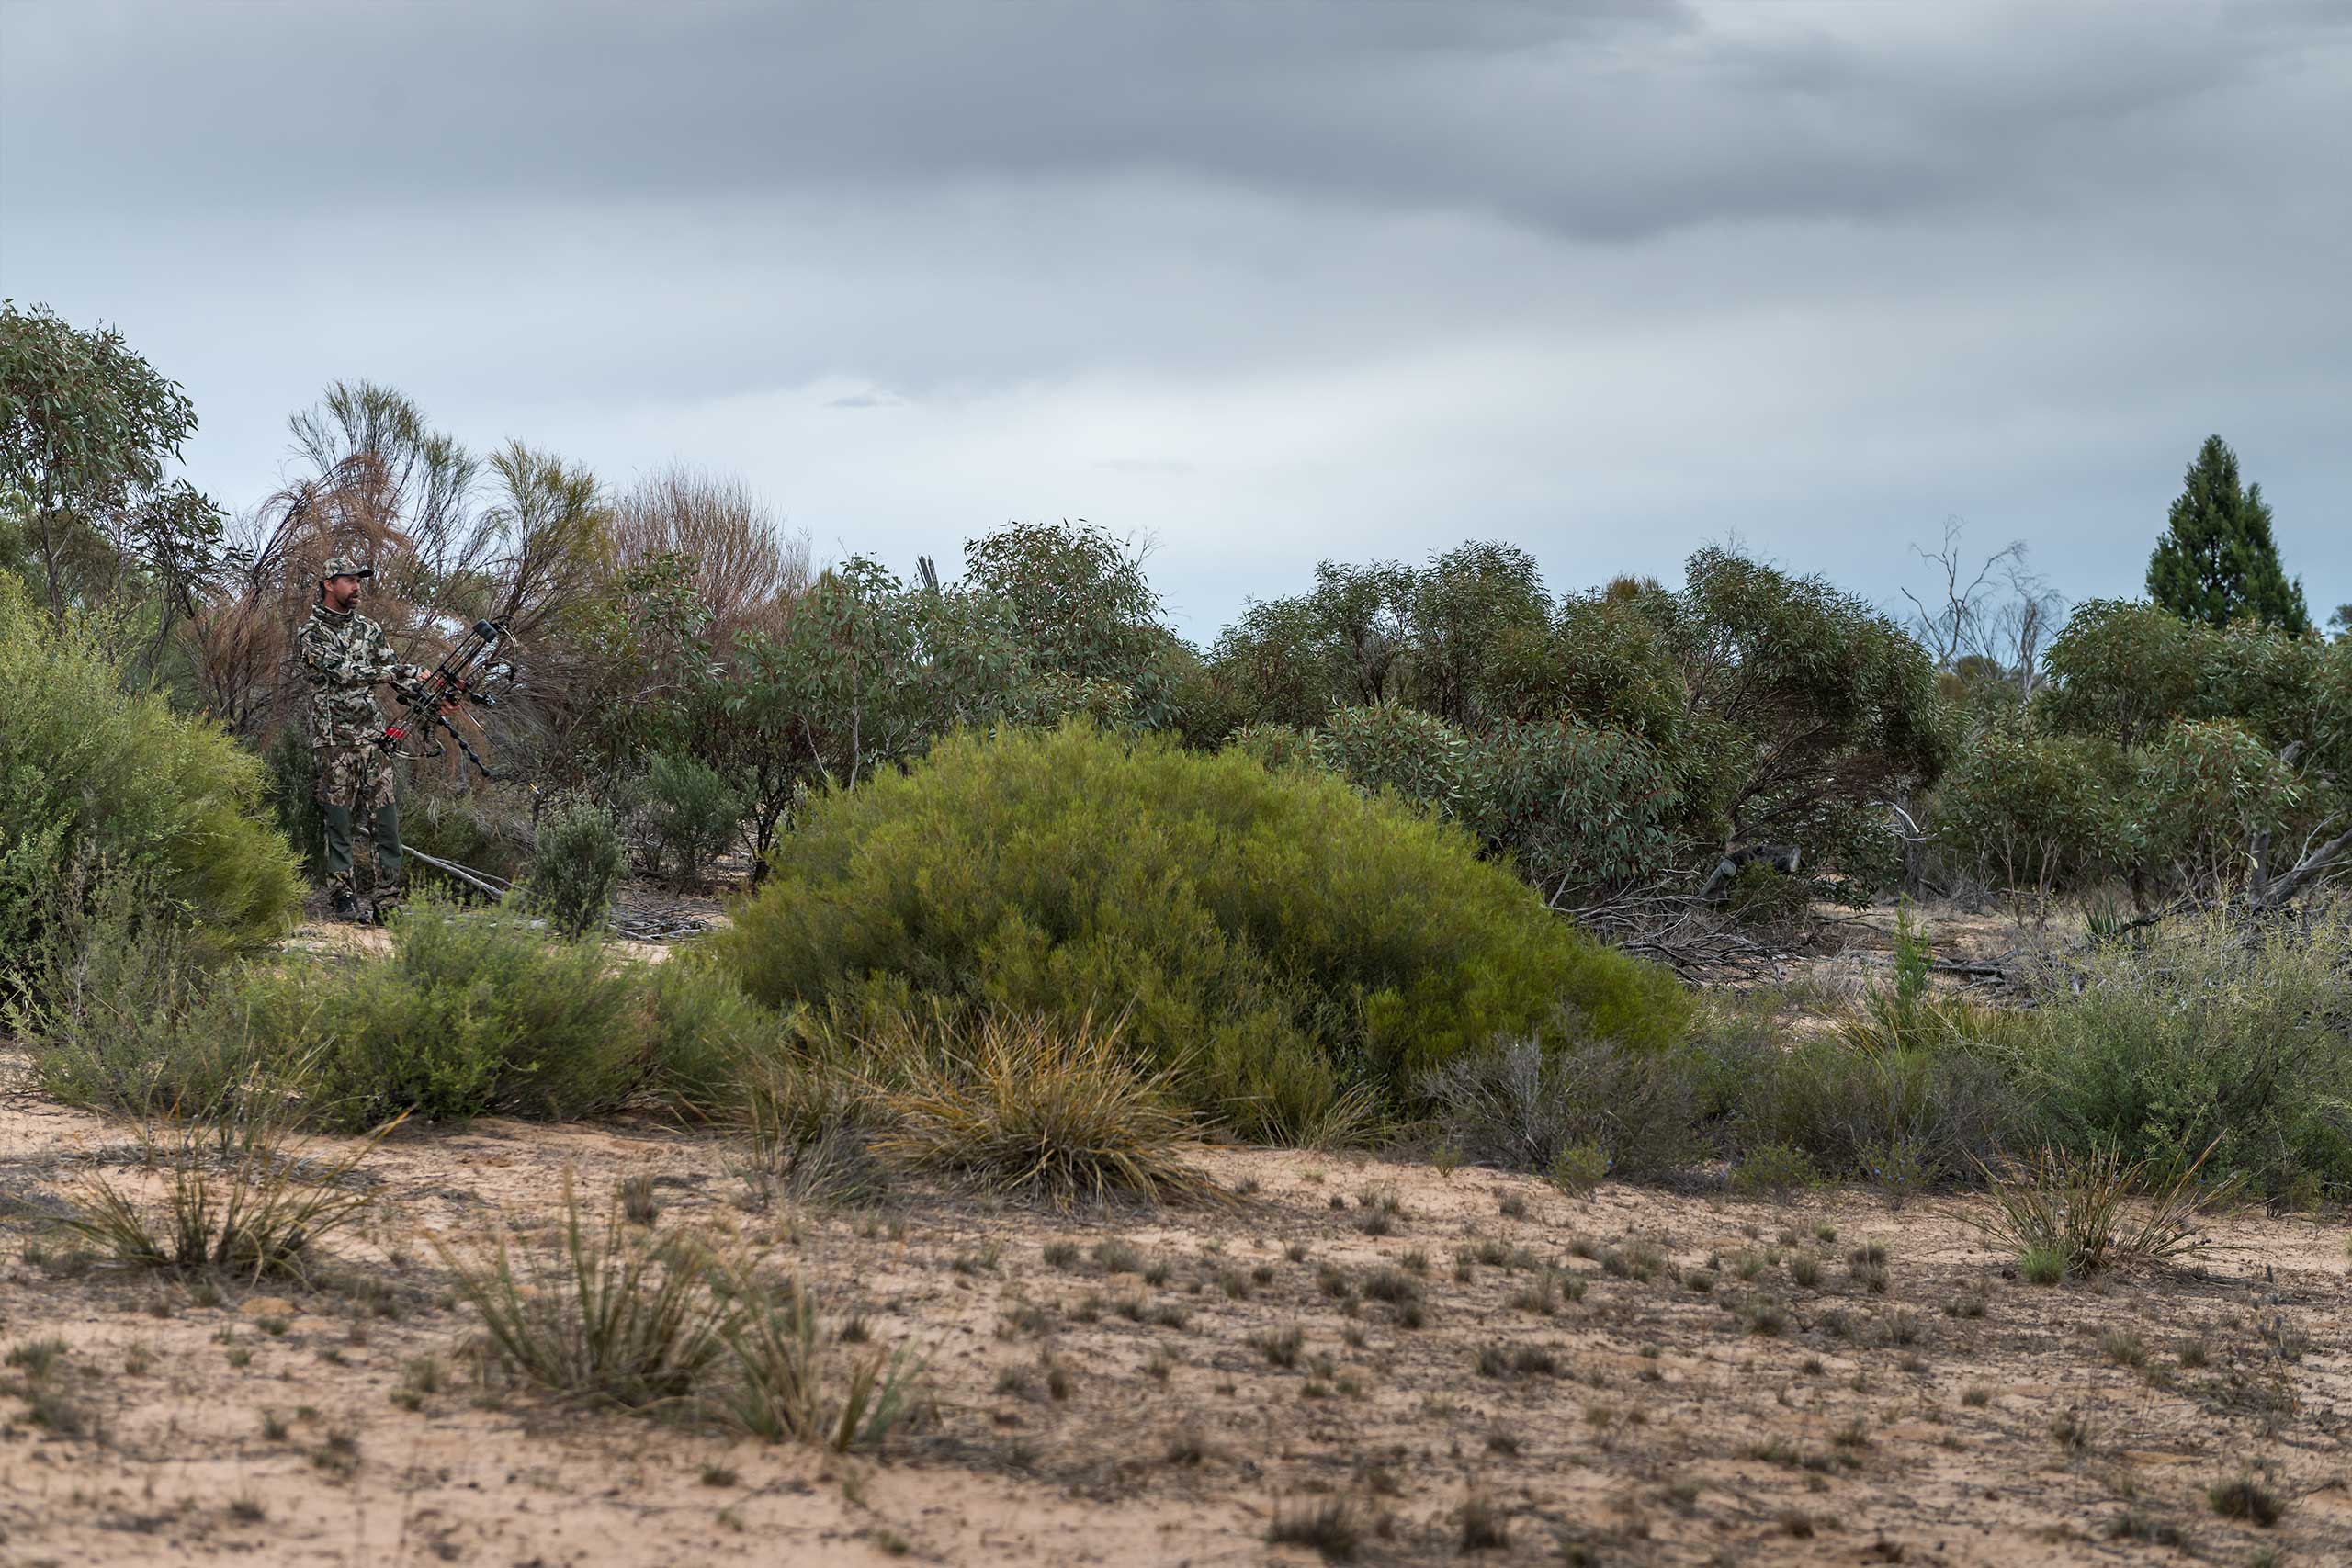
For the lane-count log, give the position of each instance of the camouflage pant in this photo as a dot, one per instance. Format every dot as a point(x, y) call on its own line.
point(356, 789)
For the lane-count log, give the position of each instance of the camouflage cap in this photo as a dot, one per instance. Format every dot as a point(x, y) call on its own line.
point(344, 566)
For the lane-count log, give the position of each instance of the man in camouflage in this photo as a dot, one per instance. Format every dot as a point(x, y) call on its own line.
point(344, 658)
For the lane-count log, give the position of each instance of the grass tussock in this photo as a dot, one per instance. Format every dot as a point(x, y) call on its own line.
point(2070, 1215)
point(615, 1317)
point(239, 1197)
point(679, 1320)
point(1028, 1107)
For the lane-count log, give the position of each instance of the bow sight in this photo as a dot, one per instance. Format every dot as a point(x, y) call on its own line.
point(427, 705)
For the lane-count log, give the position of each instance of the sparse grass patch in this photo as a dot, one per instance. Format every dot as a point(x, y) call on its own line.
point(646, 1321)
point(1486, 1524)
point(240, 1197)
point(2245, 1498)
point(1329, 1524)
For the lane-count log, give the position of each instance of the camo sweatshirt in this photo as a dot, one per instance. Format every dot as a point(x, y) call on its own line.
point(344, 658)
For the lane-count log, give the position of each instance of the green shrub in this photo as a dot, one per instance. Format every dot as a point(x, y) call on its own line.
point(1845, 1109)
point(1578, 808)
point(1520, 1107)
point(1386, 746)
point(705, 1032)
point(92, 778)
point(576, 868)
point(1773, 1170)
point(124, 1009)
point(474, 1013)
point(1762, 896)
point(2208, 1027)
point(1277, 745)
point(2204, 792)
point(2026, 810)
point(692, 811)
point(1273, 937)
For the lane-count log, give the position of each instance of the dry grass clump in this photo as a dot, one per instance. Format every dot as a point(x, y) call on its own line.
point(617, 1317)
point(239, 1196)
point(679, 1320)
point(1331, 1525)
point(1031, 1108)
point(2245, 1498)
point(2066, 1215)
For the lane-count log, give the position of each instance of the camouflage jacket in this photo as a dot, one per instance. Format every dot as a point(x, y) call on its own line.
point(344, 658)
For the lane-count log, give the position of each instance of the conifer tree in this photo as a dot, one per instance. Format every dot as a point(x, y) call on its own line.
point(2217, 562)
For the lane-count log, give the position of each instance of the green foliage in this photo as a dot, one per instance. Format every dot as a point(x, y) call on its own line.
point(1416, 756)
point(1579, 809)
point(85, 429)
point(1844, 1108)
point(577, 869)
point(487, 832)
point(1807, 705)
point(2206, 1029)
point(2027, 809)
point(1477, 610)
point(1620, 732)
point(2205, 791)
point(1518, 1107)
point(693, 813)
point(92, 778)
point(1761, 897)
point(475, 1013)
point(2124, 672)
point(1270, 937)
point(1277, 745)
point(1778, 1172)
point(123, 1009)
point(708, 1036)
point(2217, 561)
point(1077, 604)
point(291, 788)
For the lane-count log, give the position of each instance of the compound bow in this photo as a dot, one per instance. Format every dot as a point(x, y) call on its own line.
point(426, 705)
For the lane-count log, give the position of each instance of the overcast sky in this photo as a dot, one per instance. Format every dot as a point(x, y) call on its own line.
point(1266, 283)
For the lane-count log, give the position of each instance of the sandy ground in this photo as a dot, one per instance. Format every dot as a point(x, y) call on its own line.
point(1082, 1415)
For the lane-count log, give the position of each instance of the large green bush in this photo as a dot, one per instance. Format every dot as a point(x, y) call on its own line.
point(91, 778)
point(1386, 746)
point(1578, 808)
point(1274, 937)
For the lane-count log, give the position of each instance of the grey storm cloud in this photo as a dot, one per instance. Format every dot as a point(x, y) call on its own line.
point(1264, 282)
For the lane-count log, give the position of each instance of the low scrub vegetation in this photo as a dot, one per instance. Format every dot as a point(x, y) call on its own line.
point(474, 1012)
point(2206, 1043)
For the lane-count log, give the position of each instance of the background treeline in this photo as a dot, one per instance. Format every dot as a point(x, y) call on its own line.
point(1374, 859)
point(679, 661)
